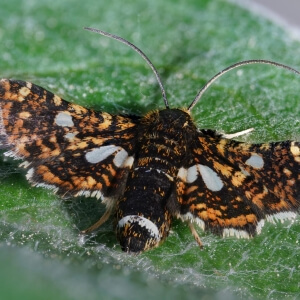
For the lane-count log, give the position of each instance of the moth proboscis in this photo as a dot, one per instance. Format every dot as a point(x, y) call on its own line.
point(150, 169)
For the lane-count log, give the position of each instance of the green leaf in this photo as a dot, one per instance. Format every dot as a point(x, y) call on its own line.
point(188, 41)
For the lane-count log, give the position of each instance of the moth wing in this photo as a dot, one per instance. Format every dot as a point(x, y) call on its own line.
point(230, 188)
point(65, 147)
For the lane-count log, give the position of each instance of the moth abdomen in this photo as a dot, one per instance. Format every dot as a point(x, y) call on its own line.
point(143, 220)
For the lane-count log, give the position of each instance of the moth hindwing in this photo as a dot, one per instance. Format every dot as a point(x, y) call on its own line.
point(150, 169)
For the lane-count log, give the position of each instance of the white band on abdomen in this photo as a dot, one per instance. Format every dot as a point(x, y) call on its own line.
point(143, 222)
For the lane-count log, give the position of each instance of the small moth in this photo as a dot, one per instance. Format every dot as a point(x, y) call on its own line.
point(150, 169)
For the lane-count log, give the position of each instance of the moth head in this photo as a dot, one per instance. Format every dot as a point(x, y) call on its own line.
point(137, 234)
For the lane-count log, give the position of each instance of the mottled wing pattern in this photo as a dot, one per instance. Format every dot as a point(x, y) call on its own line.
point(65, 147)
point(230, 188)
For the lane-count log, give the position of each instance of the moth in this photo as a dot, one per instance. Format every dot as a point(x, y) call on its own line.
point(150, 169)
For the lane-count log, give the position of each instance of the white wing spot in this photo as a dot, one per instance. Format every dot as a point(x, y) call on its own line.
point(64, 119)
point(143, 222)
point(120, 158)
point(101, 153)
point(255, 161)
point(192, 174)
point(70, 135)
point(211, 178)
point(182, 173)
point(128, 162)
point(188, 175)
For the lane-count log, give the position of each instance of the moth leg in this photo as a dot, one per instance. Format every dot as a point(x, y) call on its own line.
point(195, 234)
point(236, 134)
point(102, 220)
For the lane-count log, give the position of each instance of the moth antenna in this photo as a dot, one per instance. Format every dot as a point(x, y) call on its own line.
point(236, 65)
point(140, 52)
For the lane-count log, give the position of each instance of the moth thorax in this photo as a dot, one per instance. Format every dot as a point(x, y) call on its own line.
point(136, 234)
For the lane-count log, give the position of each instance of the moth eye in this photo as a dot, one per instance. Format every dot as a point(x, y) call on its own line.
point(137, 234)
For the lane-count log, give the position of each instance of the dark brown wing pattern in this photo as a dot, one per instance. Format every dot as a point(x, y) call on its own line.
point(65, 147)
point(230, 188)
point(225, 186)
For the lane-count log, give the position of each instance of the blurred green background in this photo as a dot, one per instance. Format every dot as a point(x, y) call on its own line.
point(41, 256)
